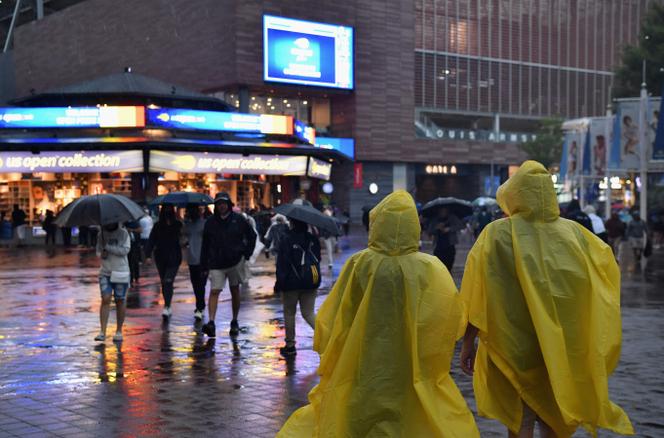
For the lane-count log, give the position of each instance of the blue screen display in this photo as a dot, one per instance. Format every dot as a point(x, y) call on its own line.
point(344, 145)
point(182, 118)
point(72, 117)
point(307, 53)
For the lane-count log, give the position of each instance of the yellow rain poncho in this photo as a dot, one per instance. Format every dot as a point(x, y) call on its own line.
point(545, 295)
point(386, 336)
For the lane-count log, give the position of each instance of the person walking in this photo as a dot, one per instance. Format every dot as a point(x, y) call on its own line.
point(543, 293)
point(146, 224)
point(18, 225)
point(483, 219)
point(194, 224)
point(134, 230)
point(575, 214)
point(113, 246)
point(330, 241)
point(444, 231)
point(615, 229)
point(165, 242)
point(298, 278)
point(49, 227)
point(597, 223)
point(228, 241)
point(637, 234)
point(386, 335)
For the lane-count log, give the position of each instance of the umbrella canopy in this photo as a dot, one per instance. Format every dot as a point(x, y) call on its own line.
point(459, 207)
point(309, 215)
point(182, 199)
point(99, 210)
point(484, 201)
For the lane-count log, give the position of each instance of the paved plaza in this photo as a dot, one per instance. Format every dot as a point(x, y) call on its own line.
point(169, 380)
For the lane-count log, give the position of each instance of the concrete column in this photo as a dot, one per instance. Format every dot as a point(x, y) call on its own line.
point(399, 176)
point(244, 99)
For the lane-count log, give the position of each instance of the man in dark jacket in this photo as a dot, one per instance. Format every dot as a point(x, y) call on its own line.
point(575, 214)
point(228, 241)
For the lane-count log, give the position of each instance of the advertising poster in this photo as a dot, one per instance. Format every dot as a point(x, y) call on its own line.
point(598, 147)
point(658, 129)
point(575, 144)
point(630, 151)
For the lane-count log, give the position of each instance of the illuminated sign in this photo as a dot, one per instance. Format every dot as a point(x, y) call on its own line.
point(344, 145)
point(181, 118)
point(203, 162)
point(71, 161)
point(440, 169)
point(304, 132)
point(73, 117)
point(319, 169)
point(307, 53)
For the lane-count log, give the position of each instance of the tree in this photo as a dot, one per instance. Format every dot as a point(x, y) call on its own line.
point(547, 148)
point(629, 75)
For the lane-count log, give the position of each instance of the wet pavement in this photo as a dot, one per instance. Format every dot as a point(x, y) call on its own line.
point(169, 380)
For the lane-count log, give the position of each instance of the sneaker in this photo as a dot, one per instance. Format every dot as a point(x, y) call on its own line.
point(209, 329)
point(288, 351)
point(198, 315)
point(117, 337)
point(100, 337)
point(235, 328)
point(166, 313)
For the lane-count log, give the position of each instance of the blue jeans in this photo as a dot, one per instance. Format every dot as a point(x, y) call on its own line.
point(119, 290)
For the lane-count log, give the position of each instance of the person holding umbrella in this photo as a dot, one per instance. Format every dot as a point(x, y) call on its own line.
point(444, 231)
point(113, 246)
point(165, 242)
point(228, 241)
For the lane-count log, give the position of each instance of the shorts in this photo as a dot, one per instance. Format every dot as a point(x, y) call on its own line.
point(637, 242)
point(119, 290)
point(233, 274)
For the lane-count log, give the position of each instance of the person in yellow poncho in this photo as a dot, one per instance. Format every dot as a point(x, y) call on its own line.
point(386, 336)
point(544, 294)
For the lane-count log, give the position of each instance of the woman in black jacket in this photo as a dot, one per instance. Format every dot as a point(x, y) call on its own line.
point(298, 277)
point(165, 241)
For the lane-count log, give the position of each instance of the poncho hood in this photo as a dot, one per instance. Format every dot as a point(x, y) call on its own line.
point(394, 227)
point(530, 194)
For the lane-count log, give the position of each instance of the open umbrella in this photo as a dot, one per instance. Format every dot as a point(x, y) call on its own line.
point(459, 207)
point(99, 210)
point(182, 199)
point(484, 201)
point(309, 215)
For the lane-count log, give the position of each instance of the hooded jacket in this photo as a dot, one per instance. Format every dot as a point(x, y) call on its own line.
point(386, 336)
point(544, 293)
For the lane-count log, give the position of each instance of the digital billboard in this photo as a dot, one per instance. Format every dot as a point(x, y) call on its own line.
point(307, 53)
point(344, 145)
point(73, 117)
point(304, 132)
point(182, 118)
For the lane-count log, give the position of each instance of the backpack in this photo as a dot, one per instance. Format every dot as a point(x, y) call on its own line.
point(304, 272)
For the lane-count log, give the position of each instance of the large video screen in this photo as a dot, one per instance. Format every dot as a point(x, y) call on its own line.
point(307, 53)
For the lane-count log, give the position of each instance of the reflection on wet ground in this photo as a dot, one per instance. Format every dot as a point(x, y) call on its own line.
point(170, 380)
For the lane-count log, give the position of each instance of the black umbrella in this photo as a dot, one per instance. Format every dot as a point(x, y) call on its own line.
point(182, 199)
point(309, 215)
point(459, 207)
point(99, 210)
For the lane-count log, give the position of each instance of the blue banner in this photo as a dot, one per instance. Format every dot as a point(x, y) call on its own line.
point(658, 146)
point(73, 117)
point(181, 118)
point(587, 157)
point(564, 158)
point(615, 155)
point(344, 145)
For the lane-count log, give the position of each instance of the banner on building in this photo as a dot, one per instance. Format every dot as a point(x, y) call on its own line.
point(203, 162)
point(71, 161)
point(628, 132)
point(597, 146)
point(357, 176)
point(658, 128)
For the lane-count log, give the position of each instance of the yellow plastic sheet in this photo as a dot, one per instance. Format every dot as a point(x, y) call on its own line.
point(545, 294)
point(386, 336)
